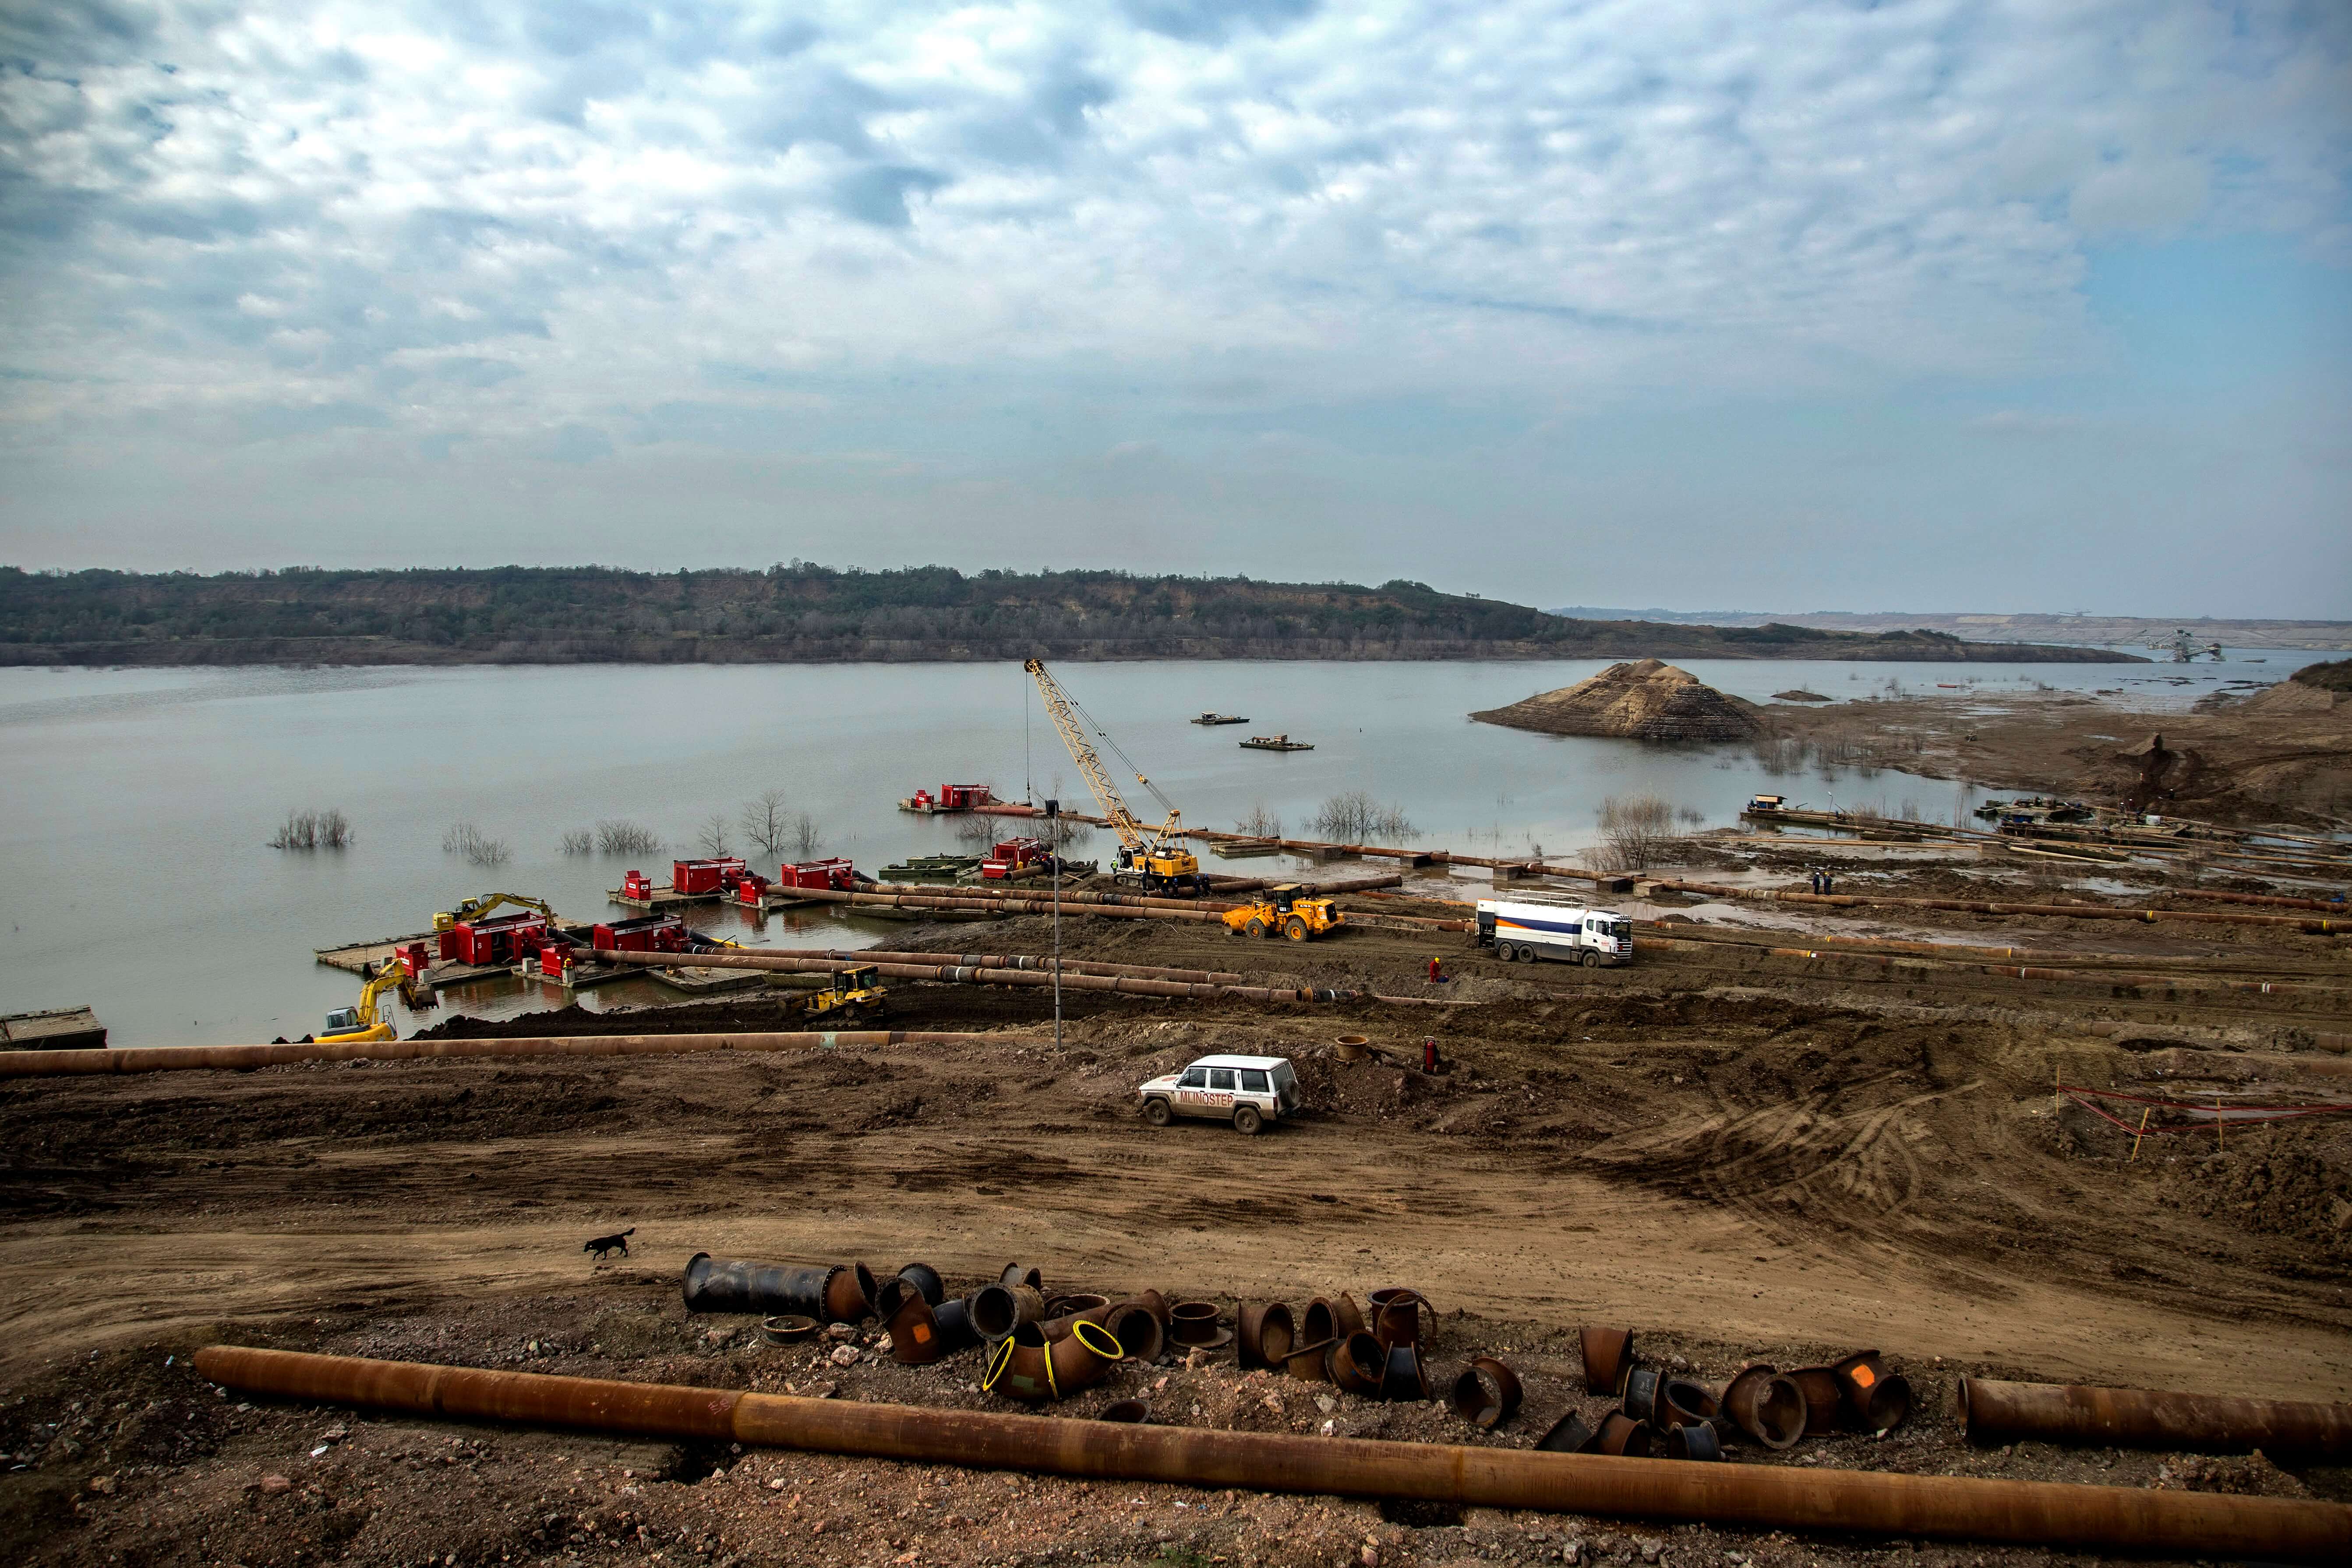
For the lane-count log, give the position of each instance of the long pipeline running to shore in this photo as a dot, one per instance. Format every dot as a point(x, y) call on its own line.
point(2041, 1513)
point(245, 1059)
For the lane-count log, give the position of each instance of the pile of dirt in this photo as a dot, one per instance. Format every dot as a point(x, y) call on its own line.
point(1651, 700)
point(2334, 676)
point(2300, 696)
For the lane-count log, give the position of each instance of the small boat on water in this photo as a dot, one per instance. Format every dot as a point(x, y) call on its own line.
point(1216, 718)
point(1275, 744)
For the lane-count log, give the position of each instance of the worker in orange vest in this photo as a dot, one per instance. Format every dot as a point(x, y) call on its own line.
point(1436, 971)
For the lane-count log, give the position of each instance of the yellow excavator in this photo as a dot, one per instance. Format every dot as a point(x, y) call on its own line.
point(1290, 909)
point(351, 1025)
point(475, 908)
point(1152, 858)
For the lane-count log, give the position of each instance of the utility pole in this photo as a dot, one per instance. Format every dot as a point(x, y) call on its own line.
point(1054, 847)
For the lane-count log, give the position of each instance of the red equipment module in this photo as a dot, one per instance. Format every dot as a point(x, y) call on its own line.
point(1013, 854)
point(836, 874)
point(703, 876)
point(554, 958)
point(751, 888)
point(637, 885)
point(963, 797)
point(503, 940)
point(646, 933)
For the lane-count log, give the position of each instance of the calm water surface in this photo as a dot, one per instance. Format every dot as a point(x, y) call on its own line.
point(139, 801)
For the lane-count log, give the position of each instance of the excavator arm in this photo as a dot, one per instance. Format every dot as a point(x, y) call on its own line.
point(383, 982)
point(474, 909)
point(366, 1021)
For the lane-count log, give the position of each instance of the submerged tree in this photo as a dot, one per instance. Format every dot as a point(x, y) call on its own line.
point(313, 830)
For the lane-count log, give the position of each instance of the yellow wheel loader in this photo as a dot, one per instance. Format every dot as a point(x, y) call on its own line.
point(1290, 911)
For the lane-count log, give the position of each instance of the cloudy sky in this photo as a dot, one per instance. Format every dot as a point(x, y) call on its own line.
point(1768, 304)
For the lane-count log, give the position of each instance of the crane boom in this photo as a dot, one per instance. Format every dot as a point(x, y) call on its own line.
point(1063, 712)
point(1155, 857)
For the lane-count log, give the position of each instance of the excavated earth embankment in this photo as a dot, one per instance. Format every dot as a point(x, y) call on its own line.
point(1648, 701)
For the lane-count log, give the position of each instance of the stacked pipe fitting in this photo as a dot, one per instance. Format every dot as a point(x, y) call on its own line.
point(1329, 1342)
point(1682, 1418)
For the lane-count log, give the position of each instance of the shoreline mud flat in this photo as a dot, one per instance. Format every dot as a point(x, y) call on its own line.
point(2281, 755)
point(1736, 1153)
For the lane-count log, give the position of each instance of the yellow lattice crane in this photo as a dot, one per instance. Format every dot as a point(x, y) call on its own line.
point(1151, 858)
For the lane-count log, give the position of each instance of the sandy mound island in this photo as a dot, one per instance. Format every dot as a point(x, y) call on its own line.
point(1647, 701)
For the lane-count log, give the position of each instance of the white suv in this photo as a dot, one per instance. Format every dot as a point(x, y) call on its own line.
point(1249, 1092)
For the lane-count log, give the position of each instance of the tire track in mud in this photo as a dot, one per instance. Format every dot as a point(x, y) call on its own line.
point(1798, 1168)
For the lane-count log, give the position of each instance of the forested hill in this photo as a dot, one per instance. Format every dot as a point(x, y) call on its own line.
point(803, 613)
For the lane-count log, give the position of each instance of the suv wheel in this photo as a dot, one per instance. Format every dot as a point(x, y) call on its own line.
point(1157, 1112)
point(1248, 1120)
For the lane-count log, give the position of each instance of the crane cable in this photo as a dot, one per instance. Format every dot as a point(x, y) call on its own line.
point(1103, 735)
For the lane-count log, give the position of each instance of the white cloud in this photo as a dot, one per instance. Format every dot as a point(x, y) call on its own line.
point(2149, 196)
point(1514, 191)
point(491, 223)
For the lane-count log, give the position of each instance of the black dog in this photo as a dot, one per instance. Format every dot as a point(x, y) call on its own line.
point(605, 1244)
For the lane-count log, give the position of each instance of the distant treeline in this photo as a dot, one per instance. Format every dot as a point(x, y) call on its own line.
point(804, 612)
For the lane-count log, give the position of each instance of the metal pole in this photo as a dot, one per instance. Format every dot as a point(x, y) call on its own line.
point(1054, 842)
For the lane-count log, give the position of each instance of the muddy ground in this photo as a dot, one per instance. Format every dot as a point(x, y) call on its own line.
point(1737, 1156)
point(2250, 763)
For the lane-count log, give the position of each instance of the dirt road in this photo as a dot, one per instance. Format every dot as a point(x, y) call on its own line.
point(1737, 1160)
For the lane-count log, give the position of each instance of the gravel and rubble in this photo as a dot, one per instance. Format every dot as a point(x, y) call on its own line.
point(130, 1458)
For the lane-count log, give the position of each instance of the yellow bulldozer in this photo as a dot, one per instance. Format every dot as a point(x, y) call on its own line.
point(1291, 909)
point(853, 995)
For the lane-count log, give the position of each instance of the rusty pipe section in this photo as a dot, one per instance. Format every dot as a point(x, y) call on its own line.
point(957, 976)
point(1003, 905)
point(2275, 900)
point(1999, 1412)
point(244, 1059)
point(1030, 892)
point(1981, 907)
point(2095, 1518)
point(832, 1293)
point(1020, 960)
point(2086, 975)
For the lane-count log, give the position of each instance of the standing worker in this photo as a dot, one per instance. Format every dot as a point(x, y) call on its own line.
point(1429, 1056)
